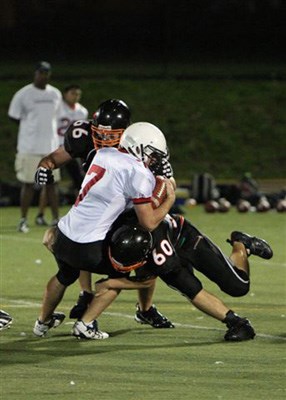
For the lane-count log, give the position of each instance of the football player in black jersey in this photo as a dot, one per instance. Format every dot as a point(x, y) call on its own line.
point(177, 248)
point(82, 140)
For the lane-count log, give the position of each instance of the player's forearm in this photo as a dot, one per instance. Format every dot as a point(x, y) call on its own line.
point(121, 283)
point(55, 159)
point(48, 162)
point(150, 218)
point(160, 213)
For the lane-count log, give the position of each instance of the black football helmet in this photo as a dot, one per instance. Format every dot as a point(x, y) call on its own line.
point(129, 247)
point(109, 122)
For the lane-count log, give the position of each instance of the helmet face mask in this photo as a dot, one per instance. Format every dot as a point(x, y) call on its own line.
point(145, 141)
point(105, 136)
point(109, 122)
point(154, 156)
point(129, 248)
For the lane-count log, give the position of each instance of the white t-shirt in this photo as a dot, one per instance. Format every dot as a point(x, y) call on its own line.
point(68, 115)
point(114, 180)
point(37, 111)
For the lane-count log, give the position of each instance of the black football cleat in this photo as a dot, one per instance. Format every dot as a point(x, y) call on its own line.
point(257, 247)
point(152, 317)
point(81, 306)
point(240, 331)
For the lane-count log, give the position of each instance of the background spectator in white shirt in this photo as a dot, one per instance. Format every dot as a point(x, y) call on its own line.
point(35, 108)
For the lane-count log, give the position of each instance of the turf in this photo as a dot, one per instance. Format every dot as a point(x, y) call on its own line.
point(138, 362)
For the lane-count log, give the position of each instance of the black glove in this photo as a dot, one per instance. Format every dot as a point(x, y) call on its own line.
point(163, 169)
point(44, 176)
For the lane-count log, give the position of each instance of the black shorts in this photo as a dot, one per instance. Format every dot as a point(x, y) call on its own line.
point(72, 257)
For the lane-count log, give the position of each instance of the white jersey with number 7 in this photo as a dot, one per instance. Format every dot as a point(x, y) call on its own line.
point(114, 181)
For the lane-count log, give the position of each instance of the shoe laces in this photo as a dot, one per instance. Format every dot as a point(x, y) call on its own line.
point(92, 327)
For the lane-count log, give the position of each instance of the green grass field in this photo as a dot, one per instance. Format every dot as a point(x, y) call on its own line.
point(138, 362)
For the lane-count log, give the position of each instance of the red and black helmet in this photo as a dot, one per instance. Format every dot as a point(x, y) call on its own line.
point(109, 122)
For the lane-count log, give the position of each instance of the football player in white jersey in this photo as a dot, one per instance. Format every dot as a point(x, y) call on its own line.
point(70, 111)
point(115, 180)
point(80, 142)
point(34, 108)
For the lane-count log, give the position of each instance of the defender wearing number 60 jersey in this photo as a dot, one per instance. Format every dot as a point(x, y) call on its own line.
point(176, 250)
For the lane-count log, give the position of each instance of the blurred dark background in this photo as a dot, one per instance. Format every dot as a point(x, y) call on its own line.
point(210, 73)
point(149, 30)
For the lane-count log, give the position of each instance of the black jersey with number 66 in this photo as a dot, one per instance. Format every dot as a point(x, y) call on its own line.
point(78, 139)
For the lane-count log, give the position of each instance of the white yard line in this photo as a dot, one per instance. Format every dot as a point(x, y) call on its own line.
point(30, 304)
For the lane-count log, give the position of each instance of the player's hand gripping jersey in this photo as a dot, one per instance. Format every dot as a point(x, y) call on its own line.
point(114, 180)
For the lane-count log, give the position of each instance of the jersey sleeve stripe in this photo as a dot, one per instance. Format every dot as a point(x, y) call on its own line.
point(142, 200)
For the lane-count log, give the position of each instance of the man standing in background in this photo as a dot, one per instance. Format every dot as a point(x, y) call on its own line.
point(70, 111)
point(35, 108)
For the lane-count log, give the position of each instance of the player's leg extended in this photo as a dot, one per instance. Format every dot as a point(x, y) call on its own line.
point(230, 274)
point(188, 285)
point(239, 329)
point(210, 304)
point(53, 295)
point(48, 318)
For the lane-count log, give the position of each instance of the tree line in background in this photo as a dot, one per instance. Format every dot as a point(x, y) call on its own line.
point(224, 127)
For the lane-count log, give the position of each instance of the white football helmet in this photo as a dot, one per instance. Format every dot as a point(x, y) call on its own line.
point(144, 141)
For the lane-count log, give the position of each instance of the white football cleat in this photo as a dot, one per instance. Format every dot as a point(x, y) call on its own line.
point(41, 328)
point(90, 331)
